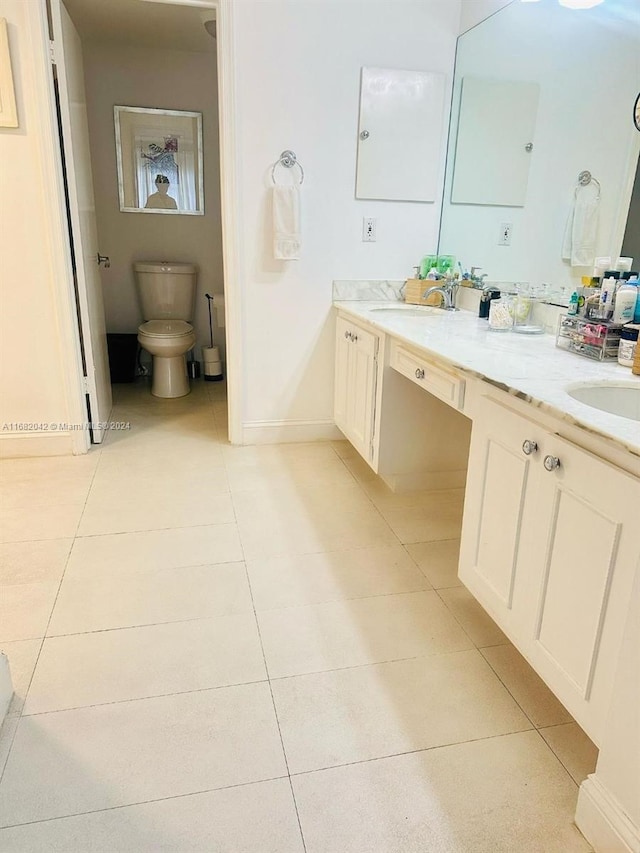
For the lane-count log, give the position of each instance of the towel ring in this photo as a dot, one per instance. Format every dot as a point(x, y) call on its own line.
point(287, 159)
point(584, 179)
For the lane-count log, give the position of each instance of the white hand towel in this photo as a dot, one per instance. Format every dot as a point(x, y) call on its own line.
point(579, 244)
point(286, 223)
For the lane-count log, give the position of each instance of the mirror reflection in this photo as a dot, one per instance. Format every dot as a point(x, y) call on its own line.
point(513, 170)
point(159, 155)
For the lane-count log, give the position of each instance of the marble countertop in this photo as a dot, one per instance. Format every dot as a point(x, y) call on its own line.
point(530, 367)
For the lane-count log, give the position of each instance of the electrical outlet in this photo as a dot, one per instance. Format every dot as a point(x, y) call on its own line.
point(504, 237)
point(368, 230)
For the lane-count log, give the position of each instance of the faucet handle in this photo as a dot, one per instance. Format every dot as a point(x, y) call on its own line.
point(474, 270)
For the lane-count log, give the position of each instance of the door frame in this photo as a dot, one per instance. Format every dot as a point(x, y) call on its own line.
point(229, 203)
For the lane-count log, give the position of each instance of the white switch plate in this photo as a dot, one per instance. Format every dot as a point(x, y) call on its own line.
point(368, 230)
point(504, 236)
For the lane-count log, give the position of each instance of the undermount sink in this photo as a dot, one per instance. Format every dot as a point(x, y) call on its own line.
point(617, 398)
point(408, 310)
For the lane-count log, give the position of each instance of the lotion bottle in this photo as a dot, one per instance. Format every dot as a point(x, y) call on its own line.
point(625, 303)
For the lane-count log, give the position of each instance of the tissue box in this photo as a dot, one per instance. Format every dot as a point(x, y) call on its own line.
point(414, 289)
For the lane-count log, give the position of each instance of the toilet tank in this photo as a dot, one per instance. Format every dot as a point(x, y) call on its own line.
point(167, 290)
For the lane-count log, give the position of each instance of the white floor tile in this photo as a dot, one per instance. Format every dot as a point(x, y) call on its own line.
point(322, 637)
point(149, 597)
point(117, 553)
point(438, 561)
point(134, 663)
point(500, 795)
point(417, 524)
point(22, 656)
point(56, 521)
point(253, 818)
point(473, 618)
point(306, 522)
point(356, 714)
point(574, 749)
point(155, 513)
point(526, 686)
point(33, 562)
point(330, 576)
point(25, 610)
point(69, 762)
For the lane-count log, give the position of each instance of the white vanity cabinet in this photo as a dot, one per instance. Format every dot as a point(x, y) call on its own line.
point(550, 548)
point(356, 379)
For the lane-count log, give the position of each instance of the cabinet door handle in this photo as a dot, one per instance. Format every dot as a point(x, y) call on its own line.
point(347, 335)
point(551, 463)
point(354, 338)
point(419, 373)
point(529, 447)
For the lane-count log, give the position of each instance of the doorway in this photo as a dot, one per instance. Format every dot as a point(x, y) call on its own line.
point(160, 56)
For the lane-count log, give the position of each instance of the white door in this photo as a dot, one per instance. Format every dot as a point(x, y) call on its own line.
point(75, 136)
point(362, 390)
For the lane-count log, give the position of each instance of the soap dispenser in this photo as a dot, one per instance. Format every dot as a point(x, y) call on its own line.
point(485, 302)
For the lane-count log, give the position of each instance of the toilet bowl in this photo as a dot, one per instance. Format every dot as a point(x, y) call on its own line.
point(168, 341)
point(167, 290)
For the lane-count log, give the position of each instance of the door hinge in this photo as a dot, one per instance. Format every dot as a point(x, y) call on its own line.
point(85, 384)
point(52, 52)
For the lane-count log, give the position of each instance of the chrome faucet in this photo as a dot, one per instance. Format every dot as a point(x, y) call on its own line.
point(477, 280)
point(447, 302)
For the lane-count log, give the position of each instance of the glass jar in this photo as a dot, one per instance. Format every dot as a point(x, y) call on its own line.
point(628, 344)
point(500, 314)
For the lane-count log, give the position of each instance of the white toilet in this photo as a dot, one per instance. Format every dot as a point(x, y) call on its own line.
point(167, 293)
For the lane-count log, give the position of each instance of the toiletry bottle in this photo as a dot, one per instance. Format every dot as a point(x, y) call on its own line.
point(573, 303)
point(426, 264)
point(625, 303)
point(607, 294)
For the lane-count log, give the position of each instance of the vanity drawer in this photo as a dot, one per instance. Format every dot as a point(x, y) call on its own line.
point(436, 380)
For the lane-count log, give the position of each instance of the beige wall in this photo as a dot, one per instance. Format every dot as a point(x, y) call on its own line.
point(37, 341)
point(169, 79)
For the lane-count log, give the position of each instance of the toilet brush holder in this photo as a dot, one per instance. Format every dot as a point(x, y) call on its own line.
point(212, 366)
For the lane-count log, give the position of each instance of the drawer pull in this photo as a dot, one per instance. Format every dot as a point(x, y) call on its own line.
point(419, 373)
point(551, 463)
point(529, 447)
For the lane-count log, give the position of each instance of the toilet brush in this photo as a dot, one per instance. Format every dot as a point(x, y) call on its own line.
point(209, 301)
point(211, 355)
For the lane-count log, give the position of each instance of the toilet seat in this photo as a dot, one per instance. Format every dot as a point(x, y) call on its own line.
point(166, 328)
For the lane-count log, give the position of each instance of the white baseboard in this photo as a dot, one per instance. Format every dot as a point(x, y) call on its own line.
point(15, 445)
point(429, 481)
point(602, 821)
point(6, 687)
point(282, 432)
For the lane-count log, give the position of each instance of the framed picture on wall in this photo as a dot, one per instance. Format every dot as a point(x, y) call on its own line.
point(159, 156)
point(8, 111)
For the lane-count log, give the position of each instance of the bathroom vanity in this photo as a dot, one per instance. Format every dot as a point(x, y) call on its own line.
point(549, 546)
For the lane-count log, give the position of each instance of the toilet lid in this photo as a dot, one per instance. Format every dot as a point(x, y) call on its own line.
point(161, 328)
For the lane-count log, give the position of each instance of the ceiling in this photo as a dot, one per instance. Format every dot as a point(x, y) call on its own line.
point(143, 23)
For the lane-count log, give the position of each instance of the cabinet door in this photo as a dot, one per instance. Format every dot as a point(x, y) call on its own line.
point(498, 510)
point(356, 373)
point(585, 555)
point(361, 390)
point(343, 349)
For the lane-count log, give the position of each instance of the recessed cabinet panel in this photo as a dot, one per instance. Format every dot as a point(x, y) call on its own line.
point(580, 559)
point(505, 480)
point(355, 385)
point(400, 134)
point(495, 131)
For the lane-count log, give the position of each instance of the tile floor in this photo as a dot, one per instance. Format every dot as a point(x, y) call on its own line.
point(259, 650)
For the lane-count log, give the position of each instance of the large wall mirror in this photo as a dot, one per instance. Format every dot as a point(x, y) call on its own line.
point(541, 93)
point(159, 155)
